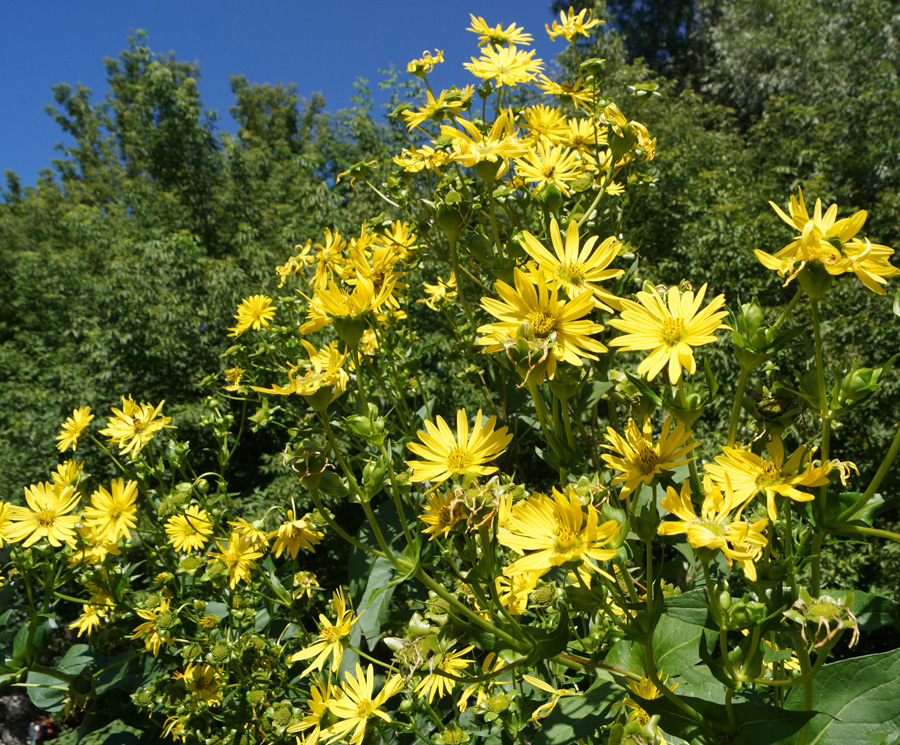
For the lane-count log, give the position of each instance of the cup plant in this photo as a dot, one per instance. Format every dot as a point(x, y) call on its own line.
point(555, 557)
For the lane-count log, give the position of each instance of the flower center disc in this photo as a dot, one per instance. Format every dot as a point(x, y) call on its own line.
point(542, 324)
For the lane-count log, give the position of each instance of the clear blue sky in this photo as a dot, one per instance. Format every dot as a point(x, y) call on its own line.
point(321, 46)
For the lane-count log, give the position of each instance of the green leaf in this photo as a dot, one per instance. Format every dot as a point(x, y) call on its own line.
point(689, 607)
point(676, 645)
point(861, 694)
point(575, 717)
point(549, 643)
point(626, 655)
point(756, 724)
point(373, 606)
point(22, 655)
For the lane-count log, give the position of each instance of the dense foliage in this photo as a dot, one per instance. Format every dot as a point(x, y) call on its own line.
point(589, 559)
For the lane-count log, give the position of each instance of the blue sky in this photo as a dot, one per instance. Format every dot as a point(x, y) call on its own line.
point(321, 46)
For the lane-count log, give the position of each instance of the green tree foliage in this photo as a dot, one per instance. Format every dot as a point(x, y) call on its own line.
point(123, 262)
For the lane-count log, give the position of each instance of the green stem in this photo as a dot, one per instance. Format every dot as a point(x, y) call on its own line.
point(876, 479)
point(738, 405)
point(460, 289)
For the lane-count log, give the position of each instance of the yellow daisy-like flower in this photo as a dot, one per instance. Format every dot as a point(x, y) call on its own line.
point(321, 696)
point(574, 93)
point(91, 618)
point(447, 455)
point(505, 66)
point(255, 312)
point(646, 689)
point(671, 328)
point(442, 515)
point(832, 243)
point(714, 529)
point(585, 135)
point(113, 514)
point(576, 271)
point(557, 325)
point(202, 681)
point(46, 516)
point(154, 630)
point(190, 531)
point(513, 591)
point(440, 294)
point(421, 158)
point(72, 428)
point(546, 164)
point(68, 473)
point(346, 308)
point(555, 532)
point(358, 703)
point(435, 684)
point(471, 147)
point(257, 537)
point(571, 25)
point(134, 425)
point(294, 534)
point(498, 36)
point(482, 689)
point(751, 474)
point(639, 459)
point(448, 103)
point(238, 556)
point(331, 639)
point(323, 372)
point(545, 123)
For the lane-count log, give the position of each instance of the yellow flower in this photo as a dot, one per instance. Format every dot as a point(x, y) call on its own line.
point(254, 312)
point(546, 164)
point(574, 93)
point(639, 459)
point(751, 474)
point(513, 591)
point(190, 531)
point(257, 537)
point(714, 529)
point(439, 294)
point(831, 242)
point(304, 582)
point(577, 272)
point(323, 372)
point(72, 428)
point(572, 25)
point(68, 473)
point(505, 66)
point(426, 63)
point(446, 455)
point(545, 124)
point(238, 556)
point(451, 663)
point(437, 109)
point(358, 703)
point(421, 158)
point(491, 665)
point(233, 375)
point(134, 425)
point(646, 689)
point(296, 263)
point(330, 641)
point(556, 531)
point(157, 623)
point(497, 36)
point(585, 135)
point(670, 327)
point(203, 683)
point(344, 307)
point(442, 514)
point(532, 308)
point(400, 238)
point(113, 515)
point(321, 695)
point(545, 709)
point(46, 516)
point(293, 534)
point(471, 147)
point(91, 618)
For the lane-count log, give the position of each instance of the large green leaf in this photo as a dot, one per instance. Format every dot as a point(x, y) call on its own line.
point(373, 606)
point(857, 697)
point(575, 717)
point(676, 645)
point(755, 724)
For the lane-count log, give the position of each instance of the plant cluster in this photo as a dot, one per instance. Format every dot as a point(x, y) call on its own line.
point(565, 560)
